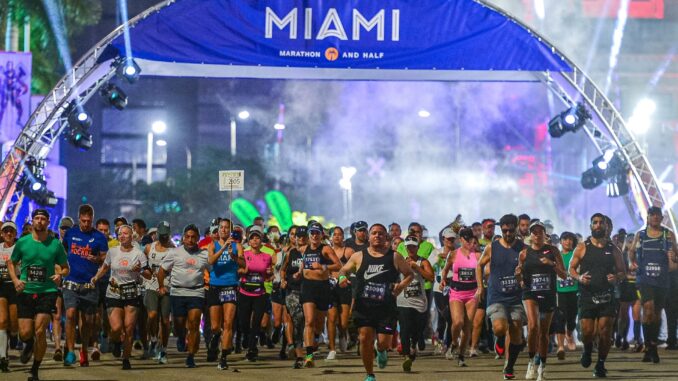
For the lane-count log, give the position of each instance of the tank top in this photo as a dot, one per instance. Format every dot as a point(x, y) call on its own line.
point(224, 272)
point(414, 295)
point(568, 284)
point(293, 266)
point(155, 258)
point(375, 279)
point(502, 286)
point(252, 283)
point(539, 278)
point(314, 256)
point(464, 272)
point(342, 257)
point(653, 263)
point(598, 262)
point(5, 255)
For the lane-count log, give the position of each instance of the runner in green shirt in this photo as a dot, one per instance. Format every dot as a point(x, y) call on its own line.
point(36, 255)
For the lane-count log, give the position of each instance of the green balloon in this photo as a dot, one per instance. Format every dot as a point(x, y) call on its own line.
point(244, 211)
point(280, 208)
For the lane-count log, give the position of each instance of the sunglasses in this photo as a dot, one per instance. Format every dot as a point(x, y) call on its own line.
point(507, 230)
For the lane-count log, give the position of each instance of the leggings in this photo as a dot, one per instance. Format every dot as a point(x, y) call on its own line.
point(566, 316)
point(444, 325)
point(296, 312)
point(250, 311)
point(412, 323)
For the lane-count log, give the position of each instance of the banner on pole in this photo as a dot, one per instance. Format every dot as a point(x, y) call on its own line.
point(231, 181)
point(15, 93)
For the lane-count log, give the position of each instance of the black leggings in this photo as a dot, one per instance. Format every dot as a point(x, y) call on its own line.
point(566, 315)
point(250, 311)
point(412, 323)
point(443, 328)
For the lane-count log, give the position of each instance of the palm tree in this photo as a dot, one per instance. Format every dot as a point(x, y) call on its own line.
point(48, 65)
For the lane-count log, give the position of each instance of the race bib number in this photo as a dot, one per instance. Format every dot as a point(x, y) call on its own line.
point(255, 278)
point(467, 274)
point(565, 283)
point(128, 291)
point(653, 270)
point(375, 292)
point(36, 274)
point(508, 284)
point(155, 268)
point(227, 295)
point(4, 273)
point(541, 282)
point(413, 290)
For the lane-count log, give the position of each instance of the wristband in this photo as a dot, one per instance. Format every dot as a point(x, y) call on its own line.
point(341, 278)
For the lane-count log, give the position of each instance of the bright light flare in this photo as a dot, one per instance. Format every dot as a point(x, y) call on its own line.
point(424, 113)
point(346, 174)
point(159, 127)
point(161, 143)
point(640, 121)
point(279, 126)
point(244, 115)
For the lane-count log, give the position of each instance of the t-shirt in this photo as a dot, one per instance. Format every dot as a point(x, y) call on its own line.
point(155, 258)
point(81, 246)
point(424, 251)
point(121, 264)
point(5, 256)
point(37, 262)
point(187, 271)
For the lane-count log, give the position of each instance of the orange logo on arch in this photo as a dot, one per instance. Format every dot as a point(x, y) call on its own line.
point(331, 54)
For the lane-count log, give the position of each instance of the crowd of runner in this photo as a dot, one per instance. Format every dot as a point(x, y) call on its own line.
point(373, 288)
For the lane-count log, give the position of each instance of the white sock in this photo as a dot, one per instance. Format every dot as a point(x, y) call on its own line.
point(4, 341)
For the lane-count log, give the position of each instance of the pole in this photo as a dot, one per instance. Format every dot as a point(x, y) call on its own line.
point(149, 159)
point(8, 30)
point(233, 142)
point(27, 34)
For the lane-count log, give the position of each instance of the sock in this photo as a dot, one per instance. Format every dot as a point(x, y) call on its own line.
point(647, 333)
point(514, 351)
point(309, 351)
point(588, 347)
point(501, 341)
point(36, 365)
point(636, 330)
point(3, 344)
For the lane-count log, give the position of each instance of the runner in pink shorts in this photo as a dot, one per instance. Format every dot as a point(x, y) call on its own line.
point(463, 287)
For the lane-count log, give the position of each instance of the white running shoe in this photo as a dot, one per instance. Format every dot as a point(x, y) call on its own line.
point(541, 373)
point(451, 353)
point(531, 373)
point(438, 349)
point(332, 356)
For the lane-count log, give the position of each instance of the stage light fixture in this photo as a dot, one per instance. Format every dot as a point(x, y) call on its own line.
point(569, 120)
point(609, 167)
point(79, 122)
point(127, 68)
point(114, 96)
point(618, 185)
point(592, 177)
point(34, 183)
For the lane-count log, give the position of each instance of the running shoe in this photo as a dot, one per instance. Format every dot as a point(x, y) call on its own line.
point(291, 352)
point(508, 374)
point(126, 365)
point(370, 377)
point(541, 373)
point(655, 355)
point(308, 361)
point(498, 349)
point(647, 356)
point(382, 357)
point(137, 345)
point(223, 363)
point(473, 353)
point(332, 356)
point(84, 361)
point(407, 364)
point(561, 354)
point(96, 354)
point(27, 352)
point(190, 362)
point(638, 347)
point(451, 353)
point(600, 371)
point(58, 355)
point(438, 348)
point(531, 373)
point(153, 350)
point(69, 359)
point(585, 360)
point(162, 358)
point(34, 376)
point(299, 363)
point(461, 361)
point(625, 345)
point(251, 355)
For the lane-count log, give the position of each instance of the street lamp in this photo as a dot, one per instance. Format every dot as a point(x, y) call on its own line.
point(158, 127)
point(242, 115)
point(345, 184)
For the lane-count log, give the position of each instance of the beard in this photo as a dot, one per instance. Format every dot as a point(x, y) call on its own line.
point(598, 233)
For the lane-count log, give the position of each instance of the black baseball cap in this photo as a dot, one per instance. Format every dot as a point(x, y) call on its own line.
point(360, 225)
point(302, 231)
point(40, 212)
point(120, 219)
point(315, 227)
point(654, 210)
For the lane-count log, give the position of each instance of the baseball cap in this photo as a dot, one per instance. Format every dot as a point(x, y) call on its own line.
point(120, 219)
point(360, 225)
point(449, 233)
point(66, 223)
point(40, 212)
point(302, 231)
point(256, 229)
point(164, 228)
point(537, 223)
point(315, 227)
point(654, 210)
point(9, 224)
point(411, 240)
point(152, 230)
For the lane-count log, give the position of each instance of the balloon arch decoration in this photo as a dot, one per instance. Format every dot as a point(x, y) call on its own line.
point(427, 40)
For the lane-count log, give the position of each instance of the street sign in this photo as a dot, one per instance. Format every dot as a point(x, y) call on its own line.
point(231, 181)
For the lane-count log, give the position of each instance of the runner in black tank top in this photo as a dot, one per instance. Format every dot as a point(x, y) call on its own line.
point(290, 275)
point(538, 267)
point(378, 277)
point(598, 266)
point(340, 299)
